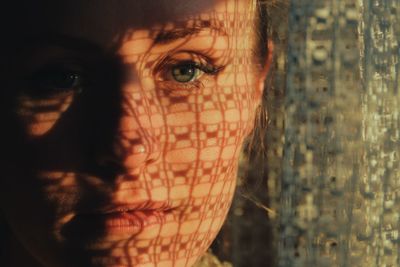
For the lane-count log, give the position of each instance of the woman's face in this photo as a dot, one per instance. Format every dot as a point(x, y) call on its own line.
point(129, 117)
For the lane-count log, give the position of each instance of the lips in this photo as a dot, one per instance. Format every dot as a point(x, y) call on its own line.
point(130, 222)
point(128, 219)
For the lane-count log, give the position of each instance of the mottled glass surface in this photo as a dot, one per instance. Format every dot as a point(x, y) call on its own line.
point(336, 191)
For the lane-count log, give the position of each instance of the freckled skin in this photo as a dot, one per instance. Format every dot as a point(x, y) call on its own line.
point(131, 133)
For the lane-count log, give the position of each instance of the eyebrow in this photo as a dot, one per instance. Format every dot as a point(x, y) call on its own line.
point(165, 37)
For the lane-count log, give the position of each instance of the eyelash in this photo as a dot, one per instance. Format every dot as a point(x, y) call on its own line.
point(166, 72)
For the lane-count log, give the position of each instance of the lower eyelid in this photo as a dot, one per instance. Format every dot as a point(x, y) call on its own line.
point(170, 85)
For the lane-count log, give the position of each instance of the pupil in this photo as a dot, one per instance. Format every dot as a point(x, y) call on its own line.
point(186, 70)
point(184, 73)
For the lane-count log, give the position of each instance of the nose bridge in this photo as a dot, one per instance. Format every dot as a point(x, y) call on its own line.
point(135, 141)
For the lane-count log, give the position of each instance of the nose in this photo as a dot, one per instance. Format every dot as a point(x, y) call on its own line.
point(135, 143)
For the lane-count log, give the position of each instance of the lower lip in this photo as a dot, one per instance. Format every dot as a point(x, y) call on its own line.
point(130, 222)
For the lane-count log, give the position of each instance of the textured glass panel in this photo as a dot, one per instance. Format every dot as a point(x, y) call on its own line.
point(376, 231)
point(337, 199)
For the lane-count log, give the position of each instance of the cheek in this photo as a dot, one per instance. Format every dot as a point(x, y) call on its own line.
point(209, 126)
point(205, 133)
point(40, 116)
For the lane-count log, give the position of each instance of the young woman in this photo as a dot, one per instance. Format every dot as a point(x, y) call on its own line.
point(124, 122)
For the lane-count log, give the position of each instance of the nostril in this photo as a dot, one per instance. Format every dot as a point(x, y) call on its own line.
point(124, 158)
point(131, 177)
point(151, 160)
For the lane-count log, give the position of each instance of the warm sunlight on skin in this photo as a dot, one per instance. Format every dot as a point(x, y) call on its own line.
point(131, 128)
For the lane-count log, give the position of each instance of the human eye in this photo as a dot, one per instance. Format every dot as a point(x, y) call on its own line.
point(54, 81)
point(186, 73)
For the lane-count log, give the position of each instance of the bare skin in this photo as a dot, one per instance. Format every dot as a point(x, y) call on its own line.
point(130, 125)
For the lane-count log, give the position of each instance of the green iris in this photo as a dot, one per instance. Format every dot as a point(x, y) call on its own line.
point(185, 73)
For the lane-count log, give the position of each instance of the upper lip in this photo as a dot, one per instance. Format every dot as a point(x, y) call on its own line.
point(126, 207)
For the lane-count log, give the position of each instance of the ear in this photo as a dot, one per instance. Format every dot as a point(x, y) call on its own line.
point(262, 76)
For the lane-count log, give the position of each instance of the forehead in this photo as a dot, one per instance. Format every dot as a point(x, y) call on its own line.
point(103, 21)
